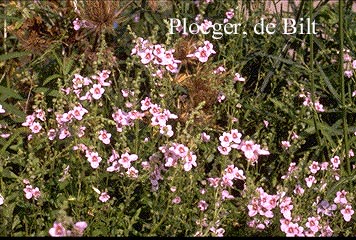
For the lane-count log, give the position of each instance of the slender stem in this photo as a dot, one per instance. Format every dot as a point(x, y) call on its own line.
point(311, 76)
point(342, 79)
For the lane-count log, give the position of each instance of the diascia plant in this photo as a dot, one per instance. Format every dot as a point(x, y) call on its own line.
point(112, 126)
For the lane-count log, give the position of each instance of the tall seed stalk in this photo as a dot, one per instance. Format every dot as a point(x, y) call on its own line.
point(311, 75)
point(342, 79)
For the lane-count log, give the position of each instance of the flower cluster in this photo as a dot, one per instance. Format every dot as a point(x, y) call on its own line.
point(226, 181)
point(31, 192)
point(58, 230)
point(349, 64)
point(157, 55)
point(32, 124)
point(159, 117)
point(343, 203)
point(178, 152)
point(77, 24)
point(203, 53)
point(156, 166)
point(124, 161)
point(229, 15)
point(260, 208)
point(308, 101)
point(232, 140)
point(93, 88)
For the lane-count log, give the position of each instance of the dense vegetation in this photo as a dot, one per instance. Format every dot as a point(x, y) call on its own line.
point(112, 126)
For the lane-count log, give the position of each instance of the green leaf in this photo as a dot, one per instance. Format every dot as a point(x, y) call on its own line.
point(50, 78)
point(13, 137)
point(12, 55)
point(47, 91)
point(19, 114)
point(8, 174)
point(284, 60)
point(67, 66)
point(6, 93)
point(328, 84)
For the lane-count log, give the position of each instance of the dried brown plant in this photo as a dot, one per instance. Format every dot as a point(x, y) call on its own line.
point(100, 14)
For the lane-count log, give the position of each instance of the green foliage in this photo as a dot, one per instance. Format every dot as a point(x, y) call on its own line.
point(286, 77)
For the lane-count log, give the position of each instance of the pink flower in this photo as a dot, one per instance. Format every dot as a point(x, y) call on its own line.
point(29, 120)
point(35, 127)
point(126, 159)
point(226, 182)
point(294, 136)
point(103, 75)
point(94, 159)
point(219, 232)
point(226, 195)
point(313, 224)
point(253, 208)
point(77, 24)
point(286, 144)
point(115, 167)
point(286, 210)
point(132, 172)
point(78, 112)
point(166, 130)
point(348, 73)
point(310, 180)
point(284, 224)
point(28, 191)
point(347, 212)
point(335, 161)
point(351, 153)
point(97, 91)
point(298, 190)
point(57, 230)
point(314, 167)
point(176, 200)
point(238, 78)
point(190, 161)
point(1, 109)
point(202, 205)
point(146, 56)
point(341, 197)
point(79, 228)
point(36, 193)
point(104, 136)
point(214, 182)
point(77, 81)
point(63, 133)
point(225, 139)
point(203, 54)
point(324, 166)
point(266, 123)
point(104, 197)
point(319, 107)
point(221, 97)
point(40, 114)
point(248, 148)
point(230, 14)
point(219, 70)
point(51, 134)
point(146, 104)
point(224, 150)
point(205, 137)
point(181, 150)
point(235, 136)
point(293, 229)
